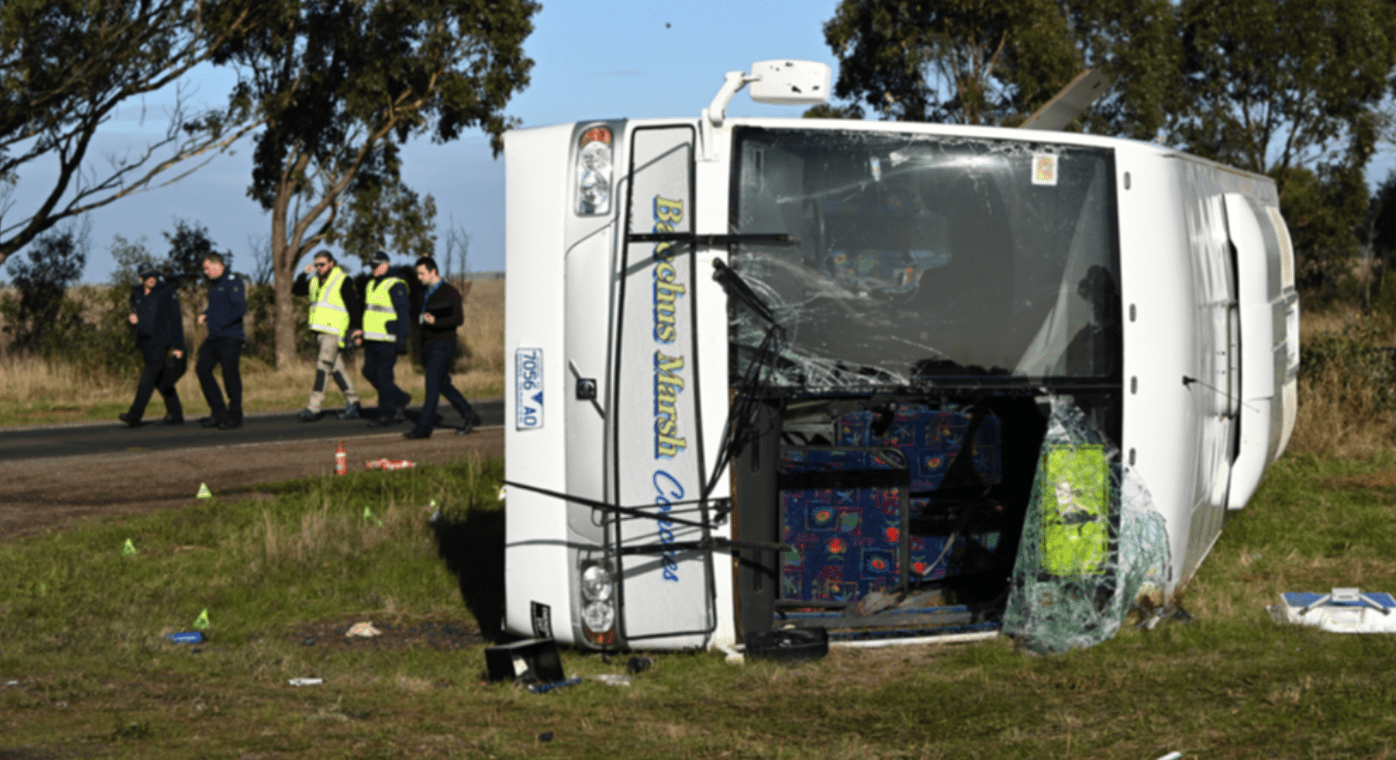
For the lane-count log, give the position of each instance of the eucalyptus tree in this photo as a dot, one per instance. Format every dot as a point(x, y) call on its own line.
point(342, 85)
point(1292, 89)
point(67, 66)
point(994, 63)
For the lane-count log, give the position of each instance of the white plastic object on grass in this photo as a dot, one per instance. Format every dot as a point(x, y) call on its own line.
point(1342, 610)
point(306, 681)
point(363, 630)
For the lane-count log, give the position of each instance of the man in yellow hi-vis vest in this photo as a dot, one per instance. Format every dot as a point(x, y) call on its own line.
point(384, 336)
point(335, 312)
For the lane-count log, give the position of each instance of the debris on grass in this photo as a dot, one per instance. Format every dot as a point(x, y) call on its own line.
point(306, 681)
point(186, 637)
point(362, 630)
point(789, 644)
point(613, 679)
point(544, 688)
point(388, 464)
point(1342, 610)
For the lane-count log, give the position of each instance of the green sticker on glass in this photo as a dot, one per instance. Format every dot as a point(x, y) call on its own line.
point(1075, 508)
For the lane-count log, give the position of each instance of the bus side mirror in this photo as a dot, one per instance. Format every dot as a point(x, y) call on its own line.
point(790, 83)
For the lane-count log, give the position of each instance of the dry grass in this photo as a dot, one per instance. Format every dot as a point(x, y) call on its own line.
point(36, 390)
point(1334, 423)
point(482, 339)
point(332, 527)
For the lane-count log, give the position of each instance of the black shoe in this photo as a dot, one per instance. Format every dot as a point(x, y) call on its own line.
point(230, 423)
point(306, 415)
point(351, 412)
point(470, 423)
point(129, 420)
point(417, 433)
point(210, 422)
point(400, 408)
point(172, 419)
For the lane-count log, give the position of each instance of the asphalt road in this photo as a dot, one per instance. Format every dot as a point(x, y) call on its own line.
point(76, 439)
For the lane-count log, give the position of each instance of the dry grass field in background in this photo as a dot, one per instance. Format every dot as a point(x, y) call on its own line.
point(34, 390)
point(1327, 424)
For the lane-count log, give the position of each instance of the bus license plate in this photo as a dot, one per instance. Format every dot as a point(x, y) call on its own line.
point(528, 388)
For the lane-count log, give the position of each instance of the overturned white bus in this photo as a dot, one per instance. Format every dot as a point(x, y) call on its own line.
point(891, 380)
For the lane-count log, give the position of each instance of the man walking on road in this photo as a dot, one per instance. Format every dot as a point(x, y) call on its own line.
point(441, 315)
point(334, 315)
point(384, 336)
point(160, 339)
point(227, 304)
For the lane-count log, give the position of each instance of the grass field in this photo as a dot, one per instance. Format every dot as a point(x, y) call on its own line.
point(283, 570)
point(33, 391)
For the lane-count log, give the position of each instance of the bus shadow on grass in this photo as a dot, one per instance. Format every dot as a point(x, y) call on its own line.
point(473, 550)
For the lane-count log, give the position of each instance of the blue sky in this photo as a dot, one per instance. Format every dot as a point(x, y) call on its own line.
point(592, 60)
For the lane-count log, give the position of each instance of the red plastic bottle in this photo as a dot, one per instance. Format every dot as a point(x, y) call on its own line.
point(341, 460)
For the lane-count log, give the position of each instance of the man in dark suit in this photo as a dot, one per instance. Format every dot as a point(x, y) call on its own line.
point(441, 315)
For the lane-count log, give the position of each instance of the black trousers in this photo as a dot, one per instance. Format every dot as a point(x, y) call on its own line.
point(438, 356)
point(225, 352)
point(156, 375)
point(379, 359)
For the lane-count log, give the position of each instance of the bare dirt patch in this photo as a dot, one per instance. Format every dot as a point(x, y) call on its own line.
point(39, 495)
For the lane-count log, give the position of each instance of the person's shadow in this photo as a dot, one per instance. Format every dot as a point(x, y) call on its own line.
point(474, 552)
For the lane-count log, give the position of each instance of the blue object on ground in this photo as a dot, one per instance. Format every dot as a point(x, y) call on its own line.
point(186, 637)
point(543, 688)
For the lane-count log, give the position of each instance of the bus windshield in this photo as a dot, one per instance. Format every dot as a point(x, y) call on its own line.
point(915, 258)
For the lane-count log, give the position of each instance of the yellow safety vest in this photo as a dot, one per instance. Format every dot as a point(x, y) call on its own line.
point(378, 309)
point(328, 313)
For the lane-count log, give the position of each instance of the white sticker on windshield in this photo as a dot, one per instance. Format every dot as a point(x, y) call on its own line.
point(1044, 169)
point(528, 388)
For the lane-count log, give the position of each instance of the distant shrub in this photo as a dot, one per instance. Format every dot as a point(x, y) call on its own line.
point(40, 318)
point(1351, 366)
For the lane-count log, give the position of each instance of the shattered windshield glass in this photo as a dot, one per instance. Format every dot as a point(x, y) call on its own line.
point(920, 257)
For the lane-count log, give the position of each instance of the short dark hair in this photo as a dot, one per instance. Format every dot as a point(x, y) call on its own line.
point(326, 255)
point(428, 262)
point(214, 256)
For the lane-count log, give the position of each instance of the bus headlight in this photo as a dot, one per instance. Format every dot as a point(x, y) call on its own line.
point(598, 605)
point(598, 617)
point(597, 585)
point(593, 172)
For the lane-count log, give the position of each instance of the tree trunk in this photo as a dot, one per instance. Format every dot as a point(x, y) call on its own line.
point(283, 269)
point(283, 307)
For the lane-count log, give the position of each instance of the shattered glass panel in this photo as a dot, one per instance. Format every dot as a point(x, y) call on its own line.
point(1092, 542)
point(919, 256)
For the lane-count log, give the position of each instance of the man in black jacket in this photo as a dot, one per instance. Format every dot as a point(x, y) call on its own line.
point(227, 304)
point(441, 315)
point(160, 339)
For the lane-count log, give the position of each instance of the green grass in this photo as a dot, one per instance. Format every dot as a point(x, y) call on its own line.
point(81, 625)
